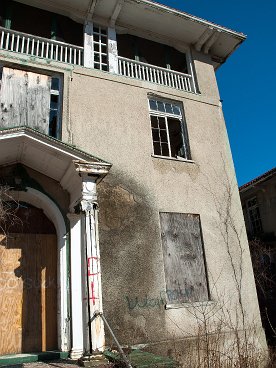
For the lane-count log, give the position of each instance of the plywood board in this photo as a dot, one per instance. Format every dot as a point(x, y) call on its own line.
point(28, 309)
point(25, 99)
point(183, 258)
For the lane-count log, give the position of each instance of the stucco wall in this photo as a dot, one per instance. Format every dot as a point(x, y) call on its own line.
point(109, 117)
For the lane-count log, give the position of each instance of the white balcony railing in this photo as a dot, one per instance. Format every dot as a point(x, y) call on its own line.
point(151, 73)
point(24, 43)
point(27, 44)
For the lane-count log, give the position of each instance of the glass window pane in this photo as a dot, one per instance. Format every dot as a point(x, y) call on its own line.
point(156, 148)
point(162, 124)
point(54, 102)
point(53, 123)
point(176, 140)
point(155, 135)
point(96, 29)
point(168, 108)
point(163, 135)
point(160, 106)
point(153, 105)
point(176, 110)
point(96, 37)
point(165, 149)
point(55, 84)
point(154, 121)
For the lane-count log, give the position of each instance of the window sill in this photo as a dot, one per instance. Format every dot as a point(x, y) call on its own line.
point(181, 159)
point(190, 305)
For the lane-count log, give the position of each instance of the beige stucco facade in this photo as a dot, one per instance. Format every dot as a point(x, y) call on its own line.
point(107, 115)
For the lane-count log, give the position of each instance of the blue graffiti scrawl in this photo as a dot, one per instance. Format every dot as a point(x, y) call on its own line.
point(164, 297)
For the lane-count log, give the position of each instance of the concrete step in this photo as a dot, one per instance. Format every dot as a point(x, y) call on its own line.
point(14, 359)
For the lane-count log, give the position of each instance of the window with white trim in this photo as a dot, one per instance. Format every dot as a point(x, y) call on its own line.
point(100, 47)
point(169, 133)
point(254, 216)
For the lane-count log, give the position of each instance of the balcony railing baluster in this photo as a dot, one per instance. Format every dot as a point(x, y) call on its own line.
point(33, 45)
point(147, 72)
point(27, 44)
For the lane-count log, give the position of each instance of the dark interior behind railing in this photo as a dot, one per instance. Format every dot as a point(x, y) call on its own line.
point(146, 51)
point(38, 22)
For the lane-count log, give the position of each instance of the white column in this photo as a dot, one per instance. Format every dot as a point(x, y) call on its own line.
point(77, 343)
point(88, 52)
point(89, 206)
point(112, 51)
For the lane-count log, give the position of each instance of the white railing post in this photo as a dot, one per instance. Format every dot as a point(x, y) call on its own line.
point(88, 48)
point(112, 51)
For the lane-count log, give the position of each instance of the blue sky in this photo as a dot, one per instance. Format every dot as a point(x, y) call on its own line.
point(247, 81)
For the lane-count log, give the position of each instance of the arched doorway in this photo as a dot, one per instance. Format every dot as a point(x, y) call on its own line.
point(28, 275)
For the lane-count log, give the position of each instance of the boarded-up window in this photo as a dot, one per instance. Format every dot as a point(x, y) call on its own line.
point(25, 99)
point(184, 261)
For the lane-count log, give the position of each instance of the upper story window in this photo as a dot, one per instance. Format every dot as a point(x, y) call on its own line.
point(169, 134)
point(254, 216)
point(100, 47)
point(24, 18)
point(154, 53)
point(30, 99)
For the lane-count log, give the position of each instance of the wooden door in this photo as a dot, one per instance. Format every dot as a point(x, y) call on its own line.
point(28, 293)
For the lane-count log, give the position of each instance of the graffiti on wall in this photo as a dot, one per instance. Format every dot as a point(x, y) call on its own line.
point(164, 297)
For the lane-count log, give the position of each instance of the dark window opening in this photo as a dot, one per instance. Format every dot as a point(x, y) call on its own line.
point(42, 23)
point(254, 216)
point(150, 52)
point(169, 136)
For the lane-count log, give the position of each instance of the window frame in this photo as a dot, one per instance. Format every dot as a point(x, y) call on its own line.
point(53, 92)
point(180, 117)
point(256, 208)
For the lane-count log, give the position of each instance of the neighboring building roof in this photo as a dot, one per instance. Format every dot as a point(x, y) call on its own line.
point(267, 175)
point(155, 19)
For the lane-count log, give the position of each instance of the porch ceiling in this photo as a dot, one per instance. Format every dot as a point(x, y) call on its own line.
point(47, 155)
point(156, 20)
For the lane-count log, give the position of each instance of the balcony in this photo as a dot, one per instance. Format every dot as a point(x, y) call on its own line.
point(27, 44)
point(23, 43)
point(151, 73)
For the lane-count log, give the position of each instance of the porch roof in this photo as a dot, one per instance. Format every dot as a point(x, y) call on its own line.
point(49, 156)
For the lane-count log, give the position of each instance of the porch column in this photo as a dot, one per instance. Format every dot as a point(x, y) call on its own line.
point(89, 206)
point(77, 345)
point(88, 48)
point(112, 50)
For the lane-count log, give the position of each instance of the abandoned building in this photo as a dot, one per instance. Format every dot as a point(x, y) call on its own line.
point(120, 190)
point(258, 198)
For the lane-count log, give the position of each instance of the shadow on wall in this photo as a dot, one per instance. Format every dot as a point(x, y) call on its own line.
point(129, 233)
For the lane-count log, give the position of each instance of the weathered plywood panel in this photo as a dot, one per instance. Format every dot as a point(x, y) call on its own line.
point(24, 99)
point(183, 258)
point(11, 294)
point(28, 274)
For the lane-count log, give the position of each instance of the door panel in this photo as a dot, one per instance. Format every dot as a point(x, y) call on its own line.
point(28, 282)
